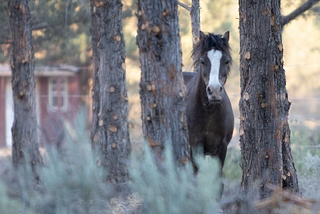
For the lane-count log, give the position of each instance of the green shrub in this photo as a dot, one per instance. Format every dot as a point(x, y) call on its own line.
point(306, 153)
point(302, 139)
point(7, 205)
point(167, 189)
point(231, 169)
point(309, 179)
point(71, 180)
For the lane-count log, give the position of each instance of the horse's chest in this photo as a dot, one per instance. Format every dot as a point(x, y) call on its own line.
point(206, 125)
point(213, 126)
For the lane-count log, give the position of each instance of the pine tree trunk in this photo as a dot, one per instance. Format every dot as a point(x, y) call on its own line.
point(195, 18)
point(162, 89)
point(264, 106)
point(109, 133)
point(195, 26)
point(24, 129)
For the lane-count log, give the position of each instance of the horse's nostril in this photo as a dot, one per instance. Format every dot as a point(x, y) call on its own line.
point(209, 91)
point(220, 89)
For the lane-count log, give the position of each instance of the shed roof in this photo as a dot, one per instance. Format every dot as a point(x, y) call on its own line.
point(61, 70)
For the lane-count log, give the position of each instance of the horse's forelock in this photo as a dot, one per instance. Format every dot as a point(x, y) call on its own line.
point(210, 41)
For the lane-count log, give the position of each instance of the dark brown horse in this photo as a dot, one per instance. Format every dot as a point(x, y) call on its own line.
point(209, 112)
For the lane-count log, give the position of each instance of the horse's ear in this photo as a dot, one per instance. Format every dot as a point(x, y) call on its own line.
point(226, 36)
point(202, 35)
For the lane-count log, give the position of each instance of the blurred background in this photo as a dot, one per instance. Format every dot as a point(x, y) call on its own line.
point(63, 57)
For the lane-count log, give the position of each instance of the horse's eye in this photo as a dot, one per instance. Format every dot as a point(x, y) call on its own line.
point(202, 62)
point(227, 62)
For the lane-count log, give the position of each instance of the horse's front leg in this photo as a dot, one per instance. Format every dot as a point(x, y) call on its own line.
point(217, 148)
point(221, 153)
point(197, 148)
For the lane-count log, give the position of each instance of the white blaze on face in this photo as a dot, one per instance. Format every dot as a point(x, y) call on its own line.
point(214, 57)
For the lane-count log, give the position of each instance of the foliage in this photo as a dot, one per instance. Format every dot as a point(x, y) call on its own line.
point(8, 206)
point(76, 171)
point(64, 30)
point(71, 181)
point(4, 32)
point(61, 31)
point(306, 154)
point(163, 188)
point(312, 162)
point(310, 179)
point(302, 139)
point(231, 169)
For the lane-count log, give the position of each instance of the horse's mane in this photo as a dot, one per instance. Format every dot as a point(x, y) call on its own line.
point(211, 41)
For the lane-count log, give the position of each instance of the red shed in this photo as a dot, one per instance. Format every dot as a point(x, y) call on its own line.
point(58, 99)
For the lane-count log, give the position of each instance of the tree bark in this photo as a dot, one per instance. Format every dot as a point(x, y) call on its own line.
point(194, 11)
point(25, 147)
point(109, 133)
point(264, 105)
point(162, 89)
point(195, 25)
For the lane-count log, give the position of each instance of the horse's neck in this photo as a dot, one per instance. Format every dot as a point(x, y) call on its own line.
point(199, 90)
point(197, 86)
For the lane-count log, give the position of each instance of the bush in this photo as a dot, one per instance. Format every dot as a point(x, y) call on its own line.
point(7, 205)
point(71, 180)
point(167, 189)
point(309, 179)
point(231, 169)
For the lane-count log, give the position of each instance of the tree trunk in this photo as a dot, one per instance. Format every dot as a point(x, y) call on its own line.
point(162, 89)
point(24, 129)
point(195, 25)
point(264, 105)
point(109, 133)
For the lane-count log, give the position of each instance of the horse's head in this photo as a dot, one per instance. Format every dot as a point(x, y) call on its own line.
point(212, 52)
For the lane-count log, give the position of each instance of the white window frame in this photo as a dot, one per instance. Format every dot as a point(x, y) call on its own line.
point(62, 94)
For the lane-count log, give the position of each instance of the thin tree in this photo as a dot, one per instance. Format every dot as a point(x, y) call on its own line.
point(109, 132)
point(194, 11)
point(264, 105)
point(25, 147)
point(162, 89)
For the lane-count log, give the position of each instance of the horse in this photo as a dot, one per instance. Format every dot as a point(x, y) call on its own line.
point(209, 112)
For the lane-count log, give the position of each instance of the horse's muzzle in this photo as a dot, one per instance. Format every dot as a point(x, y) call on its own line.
point(214, 93)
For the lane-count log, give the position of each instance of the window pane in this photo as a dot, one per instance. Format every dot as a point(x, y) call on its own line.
point(54, 101)
point(53, 86)
point(62, 86)
point(53, 81)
